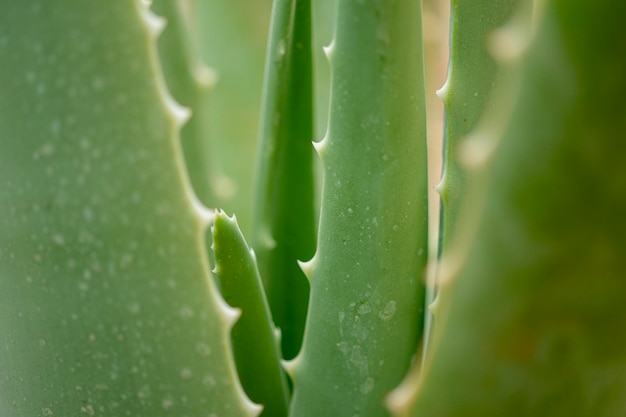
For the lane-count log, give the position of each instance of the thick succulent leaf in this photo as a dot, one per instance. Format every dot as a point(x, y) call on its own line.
point(107, 305)
point(534, 317)
point(472, 75)
point(255, 339)
point(366, 277)
point(189, 81)
point(233, 37)
point(284, 222)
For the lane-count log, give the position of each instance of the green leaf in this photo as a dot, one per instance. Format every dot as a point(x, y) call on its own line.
point(534, 316)
point(473, 73)
point(108, 307)
point(233, 36)
point(189, 81)
point(284, 218)
point(255, 341)
point(367, 275)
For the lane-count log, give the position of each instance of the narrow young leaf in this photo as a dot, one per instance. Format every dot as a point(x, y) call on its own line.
point(107, 305)
point(367, 274)
point(532, 320)
point(256, 348)
point(284, 219)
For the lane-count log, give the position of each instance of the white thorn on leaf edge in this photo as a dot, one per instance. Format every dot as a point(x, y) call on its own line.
point(291, 366)
point(432, 307)
point(399, 400)
point(440, 188)
point(253, 408)
point(232, 315)
point(320, 147)
point(155, 24)
point(205, 214)
point(180, 113)
point(278, 335)
point(307, 267)
point(444, 91)
point(328, 50)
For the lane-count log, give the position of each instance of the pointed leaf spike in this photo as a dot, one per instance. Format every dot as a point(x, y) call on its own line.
point(253, 409)
point(180, 113)
point(328, 50)
point(443, 92)
point(154, 23)
point(320, 147)
point(307, 267)
point(278, 335)
point(441, 187)
point(291, 366)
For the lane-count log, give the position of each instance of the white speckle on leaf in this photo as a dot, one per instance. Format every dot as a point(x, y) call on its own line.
point(359, 359)
point(186, 312)
point(209, 380)
point(367, 386)
point(134, 308)
point(58, 239)
point(167, 403)
point(185, 373)
point(88, 409)
point(203, 349)
point(344, 348)
point(364, 308)
point(388, 311)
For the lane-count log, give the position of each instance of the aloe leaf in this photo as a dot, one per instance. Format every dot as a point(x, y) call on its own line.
point(534, 318)
point(108, 307)
point(189, 81)
point(366, 277)
point(284, 219)
point(233, 37)
point(472, 75)
point(255, 344)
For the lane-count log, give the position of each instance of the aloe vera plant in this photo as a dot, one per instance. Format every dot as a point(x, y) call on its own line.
point(122, 293)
